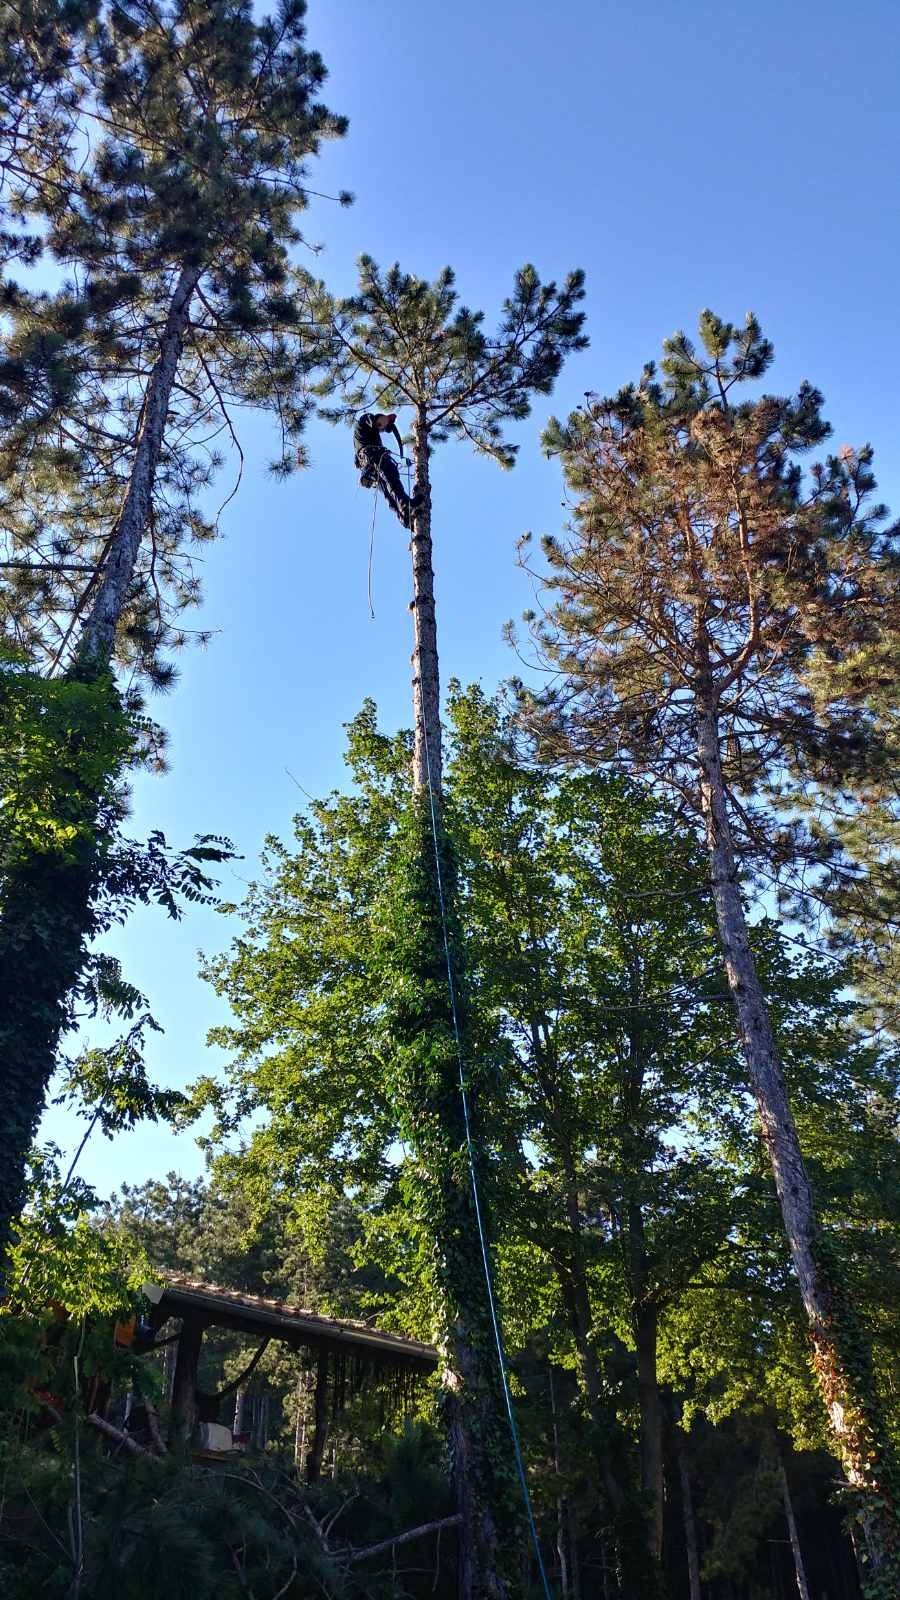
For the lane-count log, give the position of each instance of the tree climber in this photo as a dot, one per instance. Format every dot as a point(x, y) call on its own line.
point(378, 470)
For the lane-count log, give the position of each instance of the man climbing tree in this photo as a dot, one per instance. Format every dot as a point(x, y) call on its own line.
point(722, 621)
point(413, 346)
point(377, 468)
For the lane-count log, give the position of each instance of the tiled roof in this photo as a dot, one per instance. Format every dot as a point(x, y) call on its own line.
point(174, 1292)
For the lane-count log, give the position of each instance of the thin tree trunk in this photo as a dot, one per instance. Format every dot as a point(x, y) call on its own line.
point(561, 1506)
point(320, 1420)
point(427, 751)
point(471, 1376)
point(791, 1521)
point(687, 1512)
point(841, 1358)
point(184, 1386)
point(240, 1400)
point(99, 634)
point(645, 1320)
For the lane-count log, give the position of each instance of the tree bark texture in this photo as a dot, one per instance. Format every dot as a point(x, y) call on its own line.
point(99, 634)
point(841, 1358)
point(427, 751)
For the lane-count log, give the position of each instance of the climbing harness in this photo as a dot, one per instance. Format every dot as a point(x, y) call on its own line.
point(476, 1199)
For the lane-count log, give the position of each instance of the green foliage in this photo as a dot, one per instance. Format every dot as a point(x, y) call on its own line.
point(67, 874)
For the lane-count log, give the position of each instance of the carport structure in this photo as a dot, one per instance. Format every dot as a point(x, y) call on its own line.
point(343, 1350)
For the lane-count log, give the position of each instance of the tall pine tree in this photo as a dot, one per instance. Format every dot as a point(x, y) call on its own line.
point(177, 231)
point(405, 342)
point(705, 583)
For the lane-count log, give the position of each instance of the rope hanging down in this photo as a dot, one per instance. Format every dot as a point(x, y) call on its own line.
point(473, 1177)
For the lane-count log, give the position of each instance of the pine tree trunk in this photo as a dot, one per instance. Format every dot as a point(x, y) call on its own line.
point(480, 1447)
point(791, 1521)
point(427, 749)
point(47, 918)
point(99, 633)
point(841, 1357)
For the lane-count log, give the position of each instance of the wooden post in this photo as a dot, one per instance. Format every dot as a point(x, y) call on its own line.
point(184, 1384)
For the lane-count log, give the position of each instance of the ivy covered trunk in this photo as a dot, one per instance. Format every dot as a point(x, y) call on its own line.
point(840, 1352)
point(50, 875)
point(50, 879)
point(424, 943)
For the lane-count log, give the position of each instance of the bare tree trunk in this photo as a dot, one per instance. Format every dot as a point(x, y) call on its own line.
point(99, 633)
point(240, 1399)
point(184, 1386)
point(427, 752)
point(687, 1512)
point(791, 1521)
point(652, 1484)
point(320, 1420)
point(645, 1321)
point(841, 1358)
point(561, 1506)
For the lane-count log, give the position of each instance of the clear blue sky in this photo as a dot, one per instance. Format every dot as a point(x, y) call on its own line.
point(742, 155)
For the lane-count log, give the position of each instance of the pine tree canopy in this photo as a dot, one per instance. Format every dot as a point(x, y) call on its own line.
point(704, 559)
point(402, 341)
point(199, 121)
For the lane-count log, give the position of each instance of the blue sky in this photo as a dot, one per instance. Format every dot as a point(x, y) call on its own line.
point(733, 155)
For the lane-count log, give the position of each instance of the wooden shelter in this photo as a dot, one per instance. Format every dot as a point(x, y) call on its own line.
point(338, 1345)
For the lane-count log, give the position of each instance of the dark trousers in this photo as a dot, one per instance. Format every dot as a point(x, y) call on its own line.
point(378, 470)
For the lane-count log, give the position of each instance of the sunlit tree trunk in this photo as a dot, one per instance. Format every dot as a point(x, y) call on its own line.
point(99, 633)
point(427, 752)
point(840, 1355)
point(645, 1319)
